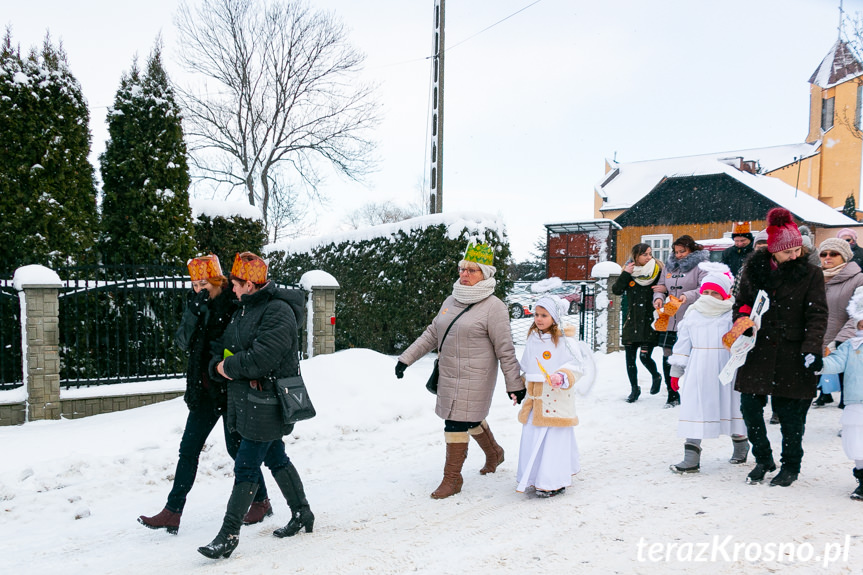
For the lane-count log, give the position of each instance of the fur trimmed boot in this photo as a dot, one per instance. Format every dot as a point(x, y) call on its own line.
point(257, 512)
point(741, 450)
point(291, 486)
point(229, 535)
point(493, 451)
point(691, 460)
point(456, 453)
point(164, 519)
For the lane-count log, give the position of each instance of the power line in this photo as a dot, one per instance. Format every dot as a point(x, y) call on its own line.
point(493, 25)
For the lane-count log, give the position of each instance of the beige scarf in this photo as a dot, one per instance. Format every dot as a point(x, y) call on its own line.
point(472, 294)
point(834, 271)
point(646, 274)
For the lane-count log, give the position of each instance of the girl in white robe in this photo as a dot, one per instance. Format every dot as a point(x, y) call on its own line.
point(707, 407)
point(553, 363)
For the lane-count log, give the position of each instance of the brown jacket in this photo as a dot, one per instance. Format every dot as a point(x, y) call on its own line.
point(794, 325)
point(468, 360)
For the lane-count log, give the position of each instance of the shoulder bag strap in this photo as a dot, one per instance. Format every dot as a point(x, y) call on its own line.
point(446, 333)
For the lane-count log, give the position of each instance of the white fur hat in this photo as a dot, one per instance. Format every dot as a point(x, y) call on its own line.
point(718, 278)
point(855, 306)
point(551, 304)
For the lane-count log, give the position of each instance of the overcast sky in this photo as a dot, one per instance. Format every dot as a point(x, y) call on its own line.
point(534, 104)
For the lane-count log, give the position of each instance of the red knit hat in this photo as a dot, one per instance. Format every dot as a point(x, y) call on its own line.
point(782, 232)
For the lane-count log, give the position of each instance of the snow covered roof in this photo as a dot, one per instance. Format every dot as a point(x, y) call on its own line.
point(475, 222)
point(838, 66)
point(627, 183)
point(799, 203)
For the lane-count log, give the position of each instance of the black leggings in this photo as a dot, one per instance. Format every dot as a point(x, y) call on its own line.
point(644, 356)
point(459, 426)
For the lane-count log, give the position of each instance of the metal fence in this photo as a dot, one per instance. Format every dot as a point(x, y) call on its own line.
point(11, 367)
point(580, 314)
point(117, 324)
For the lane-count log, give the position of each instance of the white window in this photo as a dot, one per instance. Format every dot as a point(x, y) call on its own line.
point(660, 244)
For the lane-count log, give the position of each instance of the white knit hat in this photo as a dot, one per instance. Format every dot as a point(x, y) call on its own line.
point(551, 304)
point(855, 306)
point(718, 278)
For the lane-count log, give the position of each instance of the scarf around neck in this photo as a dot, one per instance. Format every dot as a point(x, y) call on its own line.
point(711, 307)
point(646, 274)
point(472, 294)
point(833, 272)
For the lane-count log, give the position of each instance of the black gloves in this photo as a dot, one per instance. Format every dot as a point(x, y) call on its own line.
point(812, 361)
point(400, 369)
point(519, 395)
point(198, 302)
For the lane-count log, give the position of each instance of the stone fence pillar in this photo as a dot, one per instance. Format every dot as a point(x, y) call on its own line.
point(38, 289)
point(321, 313)
point(614, 319)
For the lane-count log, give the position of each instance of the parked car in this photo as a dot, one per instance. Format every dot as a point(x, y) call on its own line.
point(520, 301)
point(716, 246)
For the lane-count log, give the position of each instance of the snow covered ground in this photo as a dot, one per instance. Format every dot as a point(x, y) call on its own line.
point(70, 492)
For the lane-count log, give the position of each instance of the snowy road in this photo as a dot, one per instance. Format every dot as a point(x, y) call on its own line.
point(369, 461)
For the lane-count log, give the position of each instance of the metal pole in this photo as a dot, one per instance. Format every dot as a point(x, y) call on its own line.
point(436, 176)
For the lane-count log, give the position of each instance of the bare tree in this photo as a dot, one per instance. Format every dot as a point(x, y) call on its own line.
point(374, 214)
point(280, 101)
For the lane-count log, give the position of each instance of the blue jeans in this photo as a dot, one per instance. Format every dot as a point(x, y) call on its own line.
point(250, 456)
point(199, 424)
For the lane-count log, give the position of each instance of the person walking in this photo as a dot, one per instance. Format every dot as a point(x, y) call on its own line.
point(707, 407)
point(788, 348)
point(555, 366)
point(209, 308)
point(680, 278)
point(475, 324)
point(260, 344)
point(734, 256)
point(842, 276)
point(640, 273)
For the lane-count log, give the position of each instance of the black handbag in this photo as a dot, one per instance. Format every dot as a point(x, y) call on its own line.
point(431, 384)
point(294, 399)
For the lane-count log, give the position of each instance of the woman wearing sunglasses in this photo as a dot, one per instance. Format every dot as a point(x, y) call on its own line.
point(841, 276)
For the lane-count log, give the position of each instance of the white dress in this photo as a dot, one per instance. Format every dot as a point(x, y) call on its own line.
point(707, 408)
point(548, 456)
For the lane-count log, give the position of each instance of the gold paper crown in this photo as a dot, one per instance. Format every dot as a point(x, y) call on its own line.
point(742, 228)
point(480, 254)
point(204, 267)
point(253, 270)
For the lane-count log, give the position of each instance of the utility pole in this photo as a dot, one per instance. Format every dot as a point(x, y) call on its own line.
point(436, 177)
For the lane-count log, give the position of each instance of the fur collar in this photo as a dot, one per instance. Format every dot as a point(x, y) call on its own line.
point(762, 277)
point(689, 262)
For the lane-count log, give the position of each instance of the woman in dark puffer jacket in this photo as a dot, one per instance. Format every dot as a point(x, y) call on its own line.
point(209, 309)
point(260, 344)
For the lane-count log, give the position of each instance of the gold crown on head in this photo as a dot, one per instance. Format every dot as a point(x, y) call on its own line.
point(204, 267)
point(249, 267)
point(480, 254)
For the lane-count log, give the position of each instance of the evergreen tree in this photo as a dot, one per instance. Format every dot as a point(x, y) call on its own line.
point(145, 212)
point(850, 208)
point(47, 188)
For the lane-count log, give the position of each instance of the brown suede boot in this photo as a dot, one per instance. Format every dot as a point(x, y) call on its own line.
point(493, 451)
point(258, 512)
point(456, 453)
point(164, 519)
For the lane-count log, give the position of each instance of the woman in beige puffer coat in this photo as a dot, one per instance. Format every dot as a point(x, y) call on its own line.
point(468, 363)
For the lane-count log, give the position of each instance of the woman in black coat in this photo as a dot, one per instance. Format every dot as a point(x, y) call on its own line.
point(260, 344)
point(209, 309)
point(788, 347)
point(639, 275)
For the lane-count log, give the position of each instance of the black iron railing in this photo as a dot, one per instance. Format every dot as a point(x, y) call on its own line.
point(11, 367)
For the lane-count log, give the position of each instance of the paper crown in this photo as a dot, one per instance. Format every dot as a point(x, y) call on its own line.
point(204, 267)
point(252, 269)
point(480, 254)
point(741, 228)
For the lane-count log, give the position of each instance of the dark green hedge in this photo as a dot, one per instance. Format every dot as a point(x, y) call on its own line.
point(393, 285)
point(226, 237)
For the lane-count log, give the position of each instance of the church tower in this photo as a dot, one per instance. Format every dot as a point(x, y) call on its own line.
point(836, 92)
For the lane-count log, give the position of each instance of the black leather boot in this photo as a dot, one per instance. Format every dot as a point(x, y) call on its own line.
point(229, 535)
point(291, 485)
point(858, 493)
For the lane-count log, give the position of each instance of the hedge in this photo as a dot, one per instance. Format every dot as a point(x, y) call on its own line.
point(394, 277)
